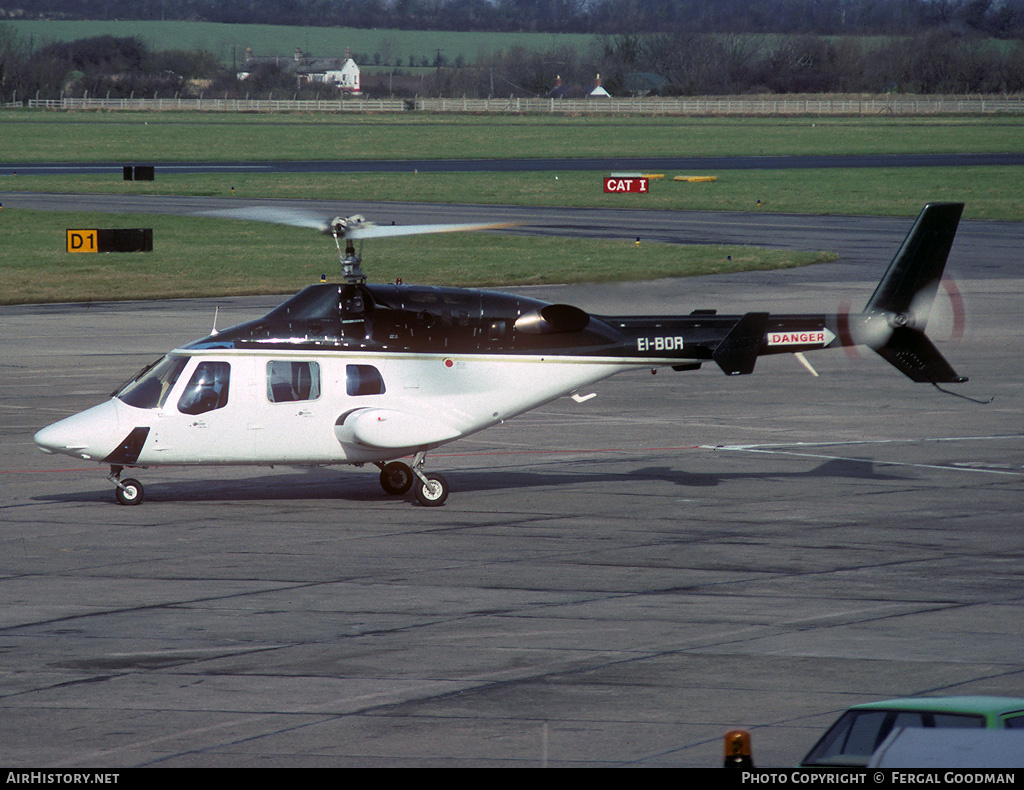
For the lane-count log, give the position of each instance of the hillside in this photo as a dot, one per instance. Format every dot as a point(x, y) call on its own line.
point(228, 42)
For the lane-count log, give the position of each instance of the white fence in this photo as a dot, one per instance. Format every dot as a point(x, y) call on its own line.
point(738, 105)
point(695, 106)
point(222, 105)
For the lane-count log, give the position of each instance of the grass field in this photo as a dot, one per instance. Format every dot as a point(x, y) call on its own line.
point(217, 257)
point(268, 259)
point(989, 192)
point(228, 42)
point(36, 135)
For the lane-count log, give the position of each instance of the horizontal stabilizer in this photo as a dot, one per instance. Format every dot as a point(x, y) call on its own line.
point(737, 353)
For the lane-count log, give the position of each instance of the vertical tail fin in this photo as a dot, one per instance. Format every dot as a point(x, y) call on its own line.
point(914, 273)
point(905, 294)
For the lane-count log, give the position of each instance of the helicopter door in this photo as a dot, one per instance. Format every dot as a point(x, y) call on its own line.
point(290, 414)
point(206, 419)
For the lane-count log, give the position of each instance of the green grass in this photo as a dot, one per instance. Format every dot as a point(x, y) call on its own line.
point(989, 192)
point(205, 257)
point(42, 136)
point(229, 41)
point(195, 257)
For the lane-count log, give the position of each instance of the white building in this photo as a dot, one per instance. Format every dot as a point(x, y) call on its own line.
point(340, 72)
point(346, 78)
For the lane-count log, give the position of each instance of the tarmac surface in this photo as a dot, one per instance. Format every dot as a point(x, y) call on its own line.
point(613, 583)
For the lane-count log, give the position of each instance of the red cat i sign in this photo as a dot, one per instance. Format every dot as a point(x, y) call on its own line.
point(619, 184)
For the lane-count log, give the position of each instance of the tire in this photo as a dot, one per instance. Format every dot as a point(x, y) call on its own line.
point(396, 478)
point(433, 493)
point(130, 492)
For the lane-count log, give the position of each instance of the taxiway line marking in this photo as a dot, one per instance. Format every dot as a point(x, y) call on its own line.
point(851, 442)
point(768, 450)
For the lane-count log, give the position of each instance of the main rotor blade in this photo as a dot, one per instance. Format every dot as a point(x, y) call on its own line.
point(360, 230)
point(278, 216)
point(383, 231)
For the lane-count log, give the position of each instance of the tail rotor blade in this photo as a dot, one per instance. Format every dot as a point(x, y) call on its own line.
point(872, 329)
point(843, 329)
point(956, 305)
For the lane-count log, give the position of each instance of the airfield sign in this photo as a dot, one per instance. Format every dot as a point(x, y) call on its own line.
point(626, 184)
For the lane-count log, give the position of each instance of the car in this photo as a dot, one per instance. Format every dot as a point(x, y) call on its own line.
point(855, 736)
point(950, 747)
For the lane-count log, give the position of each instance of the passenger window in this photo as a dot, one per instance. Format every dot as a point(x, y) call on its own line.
point(207, 390)
point(292, 381)
point(363, 380)
point(1014, 722)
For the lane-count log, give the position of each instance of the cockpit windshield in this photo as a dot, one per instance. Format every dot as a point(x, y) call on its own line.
point(149, 388)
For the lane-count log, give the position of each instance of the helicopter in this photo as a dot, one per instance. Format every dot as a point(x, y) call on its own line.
point(357, 373)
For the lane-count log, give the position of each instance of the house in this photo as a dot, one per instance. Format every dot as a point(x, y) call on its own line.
point(598, 92)
point(340, 72)
point(346, 78)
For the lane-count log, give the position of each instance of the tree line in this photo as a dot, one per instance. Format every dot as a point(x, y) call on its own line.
point(999, 18)
point(666, 64)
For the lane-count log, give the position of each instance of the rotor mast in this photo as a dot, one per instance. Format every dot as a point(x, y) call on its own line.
point(351, 263)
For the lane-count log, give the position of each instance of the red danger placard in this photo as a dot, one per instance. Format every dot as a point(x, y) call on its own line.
point(614, 184)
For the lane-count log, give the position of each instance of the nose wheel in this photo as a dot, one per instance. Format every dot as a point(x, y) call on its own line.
point(431, 490)
point(128, 491)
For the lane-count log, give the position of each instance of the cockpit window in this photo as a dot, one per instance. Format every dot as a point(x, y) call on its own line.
point(292, 381)
point(207, 389)
point(149, 388)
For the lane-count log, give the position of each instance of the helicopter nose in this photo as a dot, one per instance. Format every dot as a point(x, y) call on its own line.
point(91, 434)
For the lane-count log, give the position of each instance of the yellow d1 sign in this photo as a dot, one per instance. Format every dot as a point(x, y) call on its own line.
point(83, 241)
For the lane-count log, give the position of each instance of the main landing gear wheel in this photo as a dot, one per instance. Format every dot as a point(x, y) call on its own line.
point(432, 491)
point(129, 492)
point(396, 477)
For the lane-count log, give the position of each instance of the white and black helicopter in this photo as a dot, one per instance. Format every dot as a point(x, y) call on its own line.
point(357, 373)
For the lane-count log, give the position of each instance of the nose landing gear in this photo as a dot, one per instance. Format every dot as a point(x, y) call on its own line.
point(431, 489)
point(128, 491)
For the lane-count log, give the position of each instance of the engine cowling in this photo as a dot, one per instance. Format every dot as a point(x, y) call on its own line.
point(553, 319)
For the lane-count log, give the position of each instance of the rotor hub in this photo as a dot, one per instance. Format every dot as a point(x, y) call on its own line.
point(351, 263)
